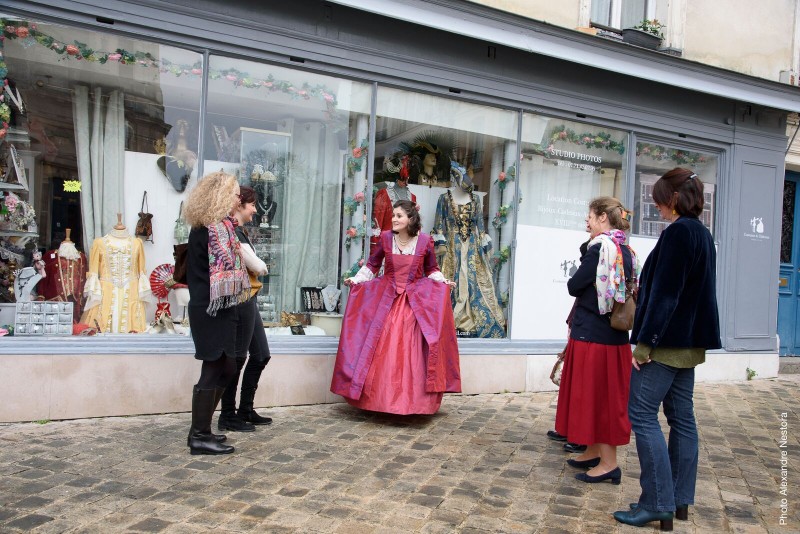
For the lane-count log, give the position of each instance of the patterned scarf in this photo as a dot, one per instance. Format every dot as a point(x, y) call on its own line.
point(610, 279)
point(230, 284)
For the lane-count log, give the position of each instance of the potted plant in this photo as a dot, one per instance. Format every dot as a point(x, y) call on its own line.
point(646, 34)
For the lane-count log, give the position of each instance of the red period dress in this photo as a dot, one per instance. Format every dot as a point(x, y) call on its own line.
point(397, 351)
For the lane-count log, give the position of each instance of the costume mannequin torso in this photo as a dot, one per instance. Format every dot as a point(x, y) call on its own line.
point(460, 197)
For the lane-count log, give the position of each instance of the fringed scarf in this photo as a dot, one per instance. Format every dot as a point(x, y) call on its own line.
point(610, 279)
point(230, 284)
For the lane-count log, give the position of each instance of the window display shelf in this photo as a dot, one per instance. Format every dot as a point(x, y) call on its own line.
point(5, 186)
point(14, 233)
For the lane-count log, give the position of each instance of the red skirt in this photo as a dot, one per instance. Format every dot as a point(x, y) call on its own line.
point(593, 396)
point(395, 382)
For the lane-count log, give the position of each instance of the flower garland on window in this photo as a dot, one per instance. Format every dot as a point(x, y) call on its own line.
point(353, 232)
point(505, 177)
point(358, 154)
point(589, 140)
point(351, 203)
point(501, 217)
point(660, 153)
point(29, 35)
point(500, 256)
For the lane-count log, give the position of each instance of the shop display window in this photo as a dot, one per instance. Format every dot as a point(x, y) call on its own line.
point(95, 120)
point(300, 140)
point(652, 161)
point(564, 165)
point(457, 161)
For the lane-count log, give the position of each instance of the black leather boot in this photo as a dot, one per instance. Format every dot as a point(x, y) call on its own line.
point(250, 378)
point(201, 440)
point(246, 411)
point(219, 437)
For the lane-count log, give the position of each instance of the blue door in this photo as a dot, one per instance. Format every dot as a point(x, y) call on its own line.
point(789, 280)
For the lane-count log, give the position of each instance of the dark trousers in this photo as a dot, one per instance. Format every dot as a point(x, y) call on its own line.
point(250, 337)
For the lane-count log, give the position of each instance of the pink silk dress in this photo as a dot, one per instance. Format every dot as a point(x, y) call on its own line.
point(397, 351)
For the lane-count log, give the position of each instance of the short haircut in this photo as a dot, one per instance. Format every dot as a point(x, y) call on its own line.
point(689, 189)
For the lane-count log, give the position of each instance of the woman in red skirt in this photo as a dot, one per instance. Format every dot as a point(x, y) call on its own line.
point(593, 398)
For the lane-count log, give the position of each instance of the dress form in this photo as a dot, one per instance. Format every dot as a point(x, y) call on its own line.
point(119, 231)
point(460, 197)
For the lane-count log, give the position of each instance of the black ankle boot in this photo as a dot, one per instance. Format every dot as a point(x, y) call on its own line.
point(231, 421)
point(251, 416)
point(201, 440)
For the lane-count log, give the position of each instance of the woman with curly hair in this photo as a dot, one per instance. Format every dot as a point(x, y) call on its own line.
point(218, 282)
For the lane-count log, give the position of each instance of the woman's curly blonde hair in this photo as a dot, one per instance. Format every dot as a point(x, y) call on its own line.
point(210, 200)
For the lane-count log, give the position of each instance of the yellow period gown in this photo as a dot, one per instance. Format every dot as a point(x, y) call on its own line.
point(116, 285)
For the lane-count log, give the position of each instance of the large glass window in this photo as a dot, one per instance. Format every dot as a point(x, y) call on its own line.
point(95, 121)
point(652, 161)
point(459, 162)
point(301, 141)
point(564, 165)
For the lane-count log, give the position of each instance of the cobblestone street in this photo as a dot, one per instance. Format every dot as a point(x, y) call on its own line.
point(482, 464)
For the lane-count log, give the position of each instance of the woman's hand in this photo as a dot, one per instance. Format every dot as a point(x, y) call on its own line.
point(449, 282)
point(635, 362)
point(349, 282)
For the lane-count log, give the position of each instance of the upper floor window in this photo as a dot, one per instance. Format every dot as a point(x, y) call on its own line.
point(622, 13)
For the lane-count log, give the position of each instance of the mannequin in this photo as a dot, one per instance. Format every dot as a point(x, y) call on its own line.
point(66, 275)
point(385, 198)
point(462, 249)
point(116, 284)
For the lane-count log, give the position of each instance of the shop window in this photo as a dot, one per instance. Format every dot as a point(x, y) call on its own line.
point(652, 161)
point(458, 159)
point(96, 120)
point(564, 165)
point(300, 140)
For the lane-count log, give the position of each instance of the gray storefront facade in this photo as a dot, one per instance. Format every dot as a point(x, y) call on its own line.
point(535, 101)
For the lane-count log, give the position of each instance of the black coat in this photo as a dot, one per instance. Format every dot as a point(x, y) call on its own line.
point(587, 323)
point(212, 336)
point(677, 304)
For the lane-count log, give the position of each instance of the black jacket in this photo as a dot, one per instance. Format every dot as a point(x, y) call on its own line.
point(677, 304)
point(587, 323)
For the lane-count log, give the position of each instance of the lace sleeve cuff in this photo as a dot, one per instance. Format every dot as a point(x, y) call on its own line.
point(363, 275)
point(437, 275)
point(145, 293)
point(92, 291)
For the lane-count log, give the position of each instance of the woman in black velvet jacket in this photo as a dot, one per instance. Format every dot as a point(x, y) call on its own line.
point(676, 322)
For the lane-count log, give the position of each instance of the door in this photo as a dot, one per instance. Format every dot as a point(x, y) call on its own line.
point(789, 280)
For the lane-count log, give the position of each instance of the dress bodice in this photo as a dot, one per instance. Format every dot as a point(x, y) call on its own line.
point(402, 264)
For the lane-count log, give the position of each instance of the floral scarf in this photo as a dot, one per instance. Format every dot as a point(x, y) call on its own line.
point(230, 284)
point(610, 279)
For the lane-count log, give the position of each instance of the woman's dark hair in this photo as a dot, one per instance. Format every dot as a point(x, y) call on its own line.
point(687, 185)
point(618, 216)
point(247, 195)
point(414, 220)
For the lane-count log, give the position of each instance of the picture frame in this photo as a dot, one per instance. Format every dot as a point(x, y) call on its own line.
point(19, 168)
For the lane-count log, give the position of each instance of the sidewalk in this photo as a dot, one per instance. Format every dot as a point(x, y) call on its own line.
point(483, 464)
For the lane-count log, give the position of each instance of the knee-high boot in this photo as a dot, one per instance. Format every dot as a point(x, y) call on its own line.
point(228, 419)
point(201, 440)
point(219, 437)
point(252, 374)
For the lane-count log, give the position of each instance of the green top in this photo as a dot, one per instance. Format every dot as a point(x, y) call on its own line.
point(682, 358)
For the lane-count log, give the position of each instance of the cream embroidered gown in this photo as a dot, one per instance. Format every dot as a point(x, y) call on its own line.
point(116, 285)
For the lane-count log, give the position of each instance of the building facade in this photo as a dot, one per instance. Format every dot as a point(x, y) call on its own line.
point(316, 105)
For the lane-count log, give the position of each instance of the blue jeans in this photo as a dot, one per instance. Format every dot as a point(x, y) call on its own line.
point(669, 473)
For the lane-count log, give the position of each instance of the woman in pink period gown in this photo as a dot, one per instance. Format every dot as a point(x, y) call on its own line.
point(397, 351)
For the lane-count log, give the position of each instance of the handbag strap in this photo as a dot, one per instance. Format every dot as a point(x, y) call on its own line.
point(180, 212)
point(144, 203)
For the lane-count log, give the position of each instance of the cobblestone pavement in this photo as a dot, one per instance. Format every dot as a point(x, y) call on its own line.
point(482, 464)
